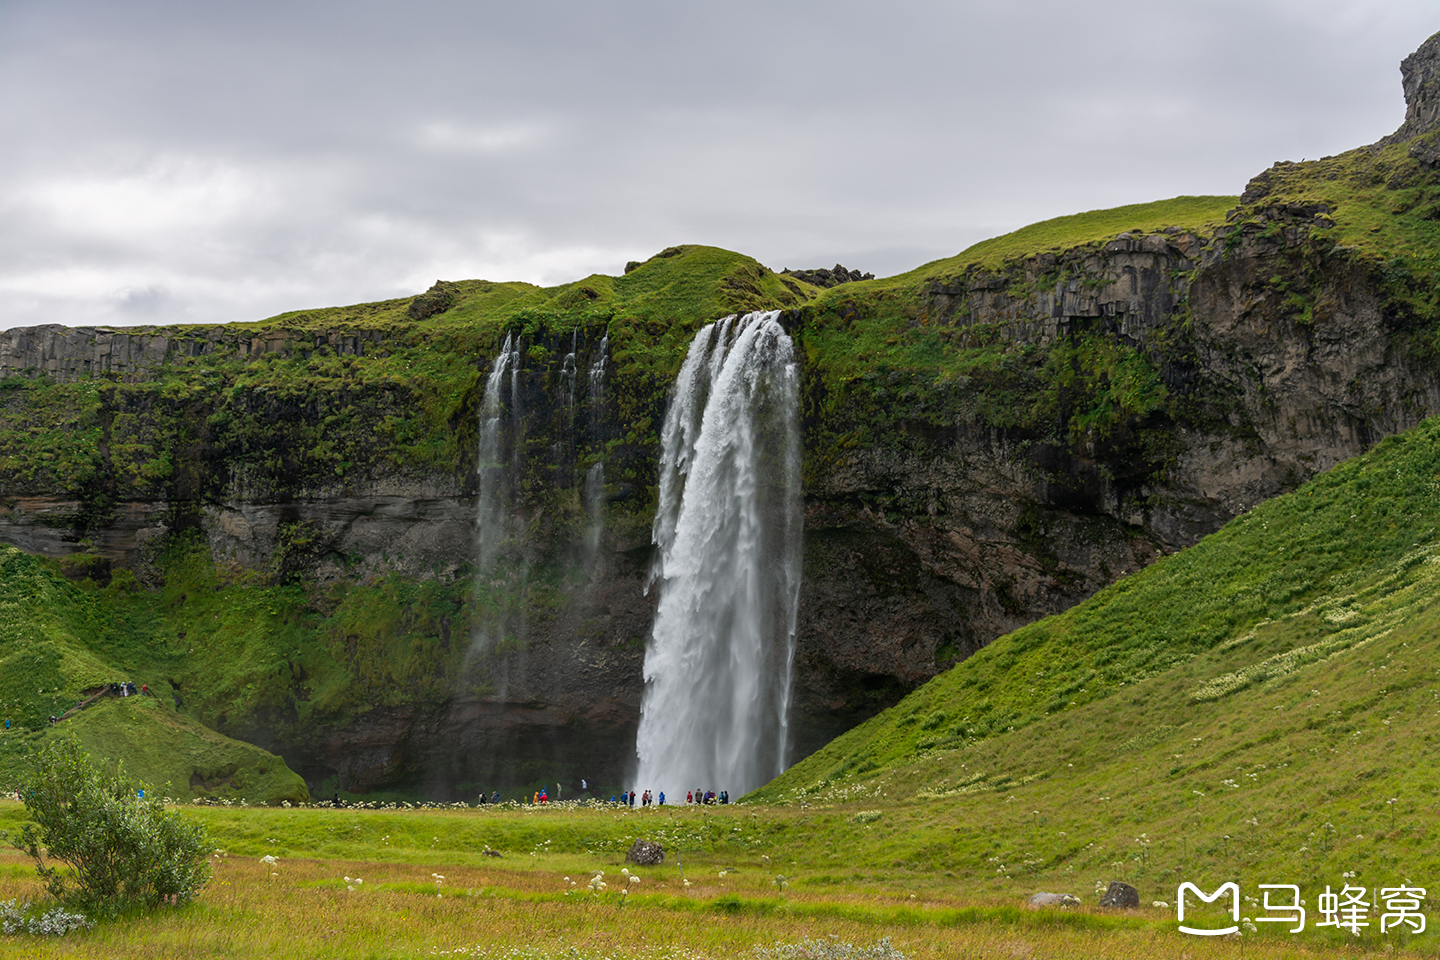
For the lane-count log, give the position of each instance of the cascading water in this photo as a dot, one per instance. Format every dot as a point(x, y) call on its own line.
point(490, 507)
point(727, 532)
point(568, 372)
point(595, 476)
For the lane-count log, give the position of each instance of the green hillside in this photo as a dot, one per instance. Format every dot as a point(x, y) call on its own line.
point(62, 643)
point(1263, 706)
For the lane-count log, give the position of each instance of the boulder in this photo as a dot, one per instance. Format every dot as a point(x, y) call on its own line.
point(647, 853)
point(1120, 895)
point(1038, 901)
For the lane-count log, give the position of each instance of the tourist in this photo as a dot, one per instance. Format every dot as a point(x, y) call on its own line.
point(662, 798)
point(624, 798)
point(495, 798)
point(632, 799)
point(482, 798)
point(689, 797)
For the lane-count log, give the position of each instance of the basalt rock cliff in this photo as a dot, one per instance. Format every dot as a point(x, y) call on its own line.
point(989, 439)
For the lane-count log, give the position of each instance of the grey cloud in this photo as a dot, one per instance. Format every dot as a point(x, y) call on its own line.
point(251, 158)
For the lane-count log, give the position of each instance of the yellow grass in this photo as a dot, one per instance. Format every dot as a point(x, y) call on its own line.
point(517, 908)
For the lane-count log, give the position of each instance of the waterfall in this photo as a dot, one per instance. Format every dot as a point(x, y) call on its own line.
point(595, 476)
point(594, 510)
point(490, 507)
point(597, 376)
point(727, 533)
point(568, 373)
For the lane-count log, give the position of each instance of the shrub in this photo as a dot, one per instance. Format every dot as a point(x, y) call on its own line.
point(123, 850)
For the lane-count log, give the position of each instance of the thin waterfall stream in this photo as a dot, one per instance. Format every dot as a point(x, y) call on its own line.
point(714, 714)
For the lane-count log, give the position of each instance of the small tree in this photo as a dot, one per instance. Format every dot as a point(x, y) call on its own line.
point(123, 850)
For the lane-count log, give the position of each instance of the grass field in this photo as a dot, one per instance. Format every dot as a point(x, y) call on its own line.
point(430, 890)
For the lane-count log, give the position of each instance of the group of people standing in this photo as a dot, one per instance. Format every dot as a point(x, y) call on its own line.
point(628, 798)
point(703, 796)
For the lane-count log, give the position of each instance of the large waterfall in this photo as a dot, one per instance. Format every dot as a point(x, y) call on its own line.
point(727, 532)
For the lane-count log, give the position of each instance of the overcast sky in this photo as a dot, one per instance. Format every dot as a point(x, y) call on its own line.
point(217, 161)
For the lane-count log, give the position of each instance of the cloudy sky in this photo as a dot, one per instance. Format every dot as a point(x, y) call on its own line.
point(202, 161)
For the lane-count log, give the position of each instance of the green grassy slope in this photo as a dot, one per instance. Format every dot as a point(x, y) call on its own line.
point(61, 642)
point(1192, 214)
point(1263, 705)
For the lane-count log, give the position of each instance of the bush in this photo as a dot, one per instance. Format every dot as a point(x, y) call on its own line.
point(123, 850)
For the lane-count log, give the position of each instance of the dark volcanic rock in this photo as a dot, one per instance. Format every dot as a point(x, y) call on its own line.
point(1120, 895)
point(833, 277)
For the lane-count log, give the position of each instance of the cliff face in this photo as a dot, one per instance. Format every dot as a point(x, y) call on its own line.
point(1061, 418)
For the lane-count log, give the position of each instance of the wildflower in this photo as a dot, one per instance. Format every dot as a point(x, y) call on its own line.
point(269, 860)
point(1160, 903)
